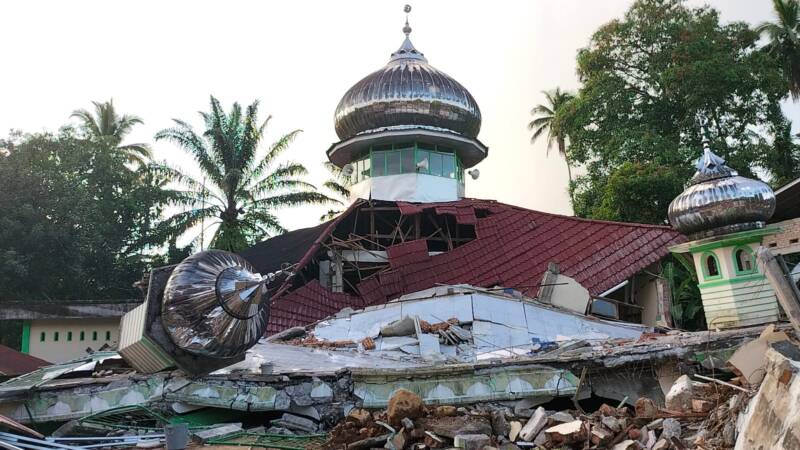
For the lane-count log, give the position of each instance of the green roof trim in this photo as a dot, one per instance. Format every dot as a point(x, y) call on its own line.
point(728, 240)
point(730, 281)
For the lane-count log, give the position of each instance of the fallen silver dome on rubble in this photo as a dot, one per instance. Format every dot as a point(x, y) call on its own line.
point(215, 305)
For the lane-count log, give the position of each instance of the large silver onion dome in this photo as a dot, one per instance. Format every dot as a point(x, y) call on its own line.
point(719, 201)
point(214, 305)
point(407, 93)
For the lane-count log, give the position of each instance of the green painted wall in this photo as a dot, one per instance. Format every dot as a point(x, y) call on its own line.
point(25, 344)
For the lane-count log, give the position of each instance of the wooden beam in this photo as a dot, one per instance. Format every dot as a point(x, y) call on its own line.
point(781, 280)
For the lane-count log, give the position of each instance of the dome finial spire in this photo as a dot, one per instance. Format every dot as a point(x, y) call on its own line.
point(407, 50)
point(407, 28)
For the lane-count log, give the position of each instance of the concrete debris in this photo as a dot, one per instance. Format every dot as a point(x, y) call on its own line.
point(207, 434)
point(471, 441)
point(359, 416)
point(445, 411)
point(645, 407)
point(567, 433)
point(534, 425)
point(749, 360)
point(514, 429)
point(500, 425)
point(296, 423)
point(561, 417)
point(360, 392)
point(287, 334)
point(402, 327)
point(679, 397)
point(627, 444)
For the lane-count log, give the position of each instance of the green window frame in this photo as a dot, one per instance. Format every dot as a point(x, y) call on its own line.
point(708, 269)
point(108, 335)
point(740, 264)
point(395, 159)
point(42, 336)
point(69, 336)
point(82, 336)
point(55, 336)
point(94, 335)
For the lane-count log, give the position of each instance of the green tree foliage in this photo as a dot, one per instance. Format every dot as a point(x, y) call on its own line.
point(241, 189)
point(784, 41)
point(106, 127)
point(72, 212)
point(687, 308)
point(634, 192)
point(645, 81)
point(547, 119)
point(781, 155)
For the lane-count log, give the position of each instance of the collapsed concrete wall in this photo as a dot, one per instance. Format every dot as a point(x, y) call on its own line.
point(772, 420)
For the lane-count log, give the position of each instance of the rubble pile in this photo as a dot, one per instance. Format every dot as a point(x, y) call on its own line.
point(698, 415)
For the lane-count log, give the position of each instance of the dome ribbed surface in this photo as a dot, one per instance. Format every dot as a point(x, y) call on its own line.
point(407, 93)
point(719, 201)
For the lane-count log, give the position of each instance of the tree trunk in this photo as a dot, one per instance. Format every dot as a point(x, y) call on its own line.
point(562, 149)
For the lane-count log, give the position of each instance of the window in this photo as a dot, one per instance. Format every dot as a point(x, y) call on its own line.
point(94, 335)
point(378, 164)
point(393, 166)
point(42, 336)
point(423, 161)
point(69, 336)
point(743, 259)
point(407, 160)
point(55, 336)
point(358, 171)
point(108, 335)
point(365, 164)
point(436, 164)
point(82, 335)
point(449, 166)
point(711, 268)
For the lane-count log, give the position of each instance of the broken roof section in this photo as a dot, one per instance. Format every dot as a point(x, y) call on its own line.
point(14, 363)
point(467, 324)
point(378, 251)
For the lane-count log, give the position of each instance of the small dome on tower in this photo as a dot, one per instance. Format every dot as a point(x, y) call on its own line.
point(718, 201)
point(407, 93)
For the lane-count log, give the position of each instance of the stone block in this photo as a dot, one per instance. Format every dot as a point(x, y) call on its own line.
point(679, 397)
point(471, 441)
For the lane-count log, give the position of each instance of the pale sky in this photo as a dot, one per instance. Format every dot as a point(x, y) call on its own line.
point(161, 60)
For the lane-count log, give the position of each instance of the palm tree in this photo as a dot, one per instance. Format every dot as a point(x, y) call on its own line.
point(106, 126)
point(339, 185)
point(784, 42)
point(545, 120)
point(241, 189)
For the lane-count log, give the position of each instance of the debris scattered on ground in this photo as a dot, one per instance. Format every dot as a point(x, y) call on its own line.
point(699, 415)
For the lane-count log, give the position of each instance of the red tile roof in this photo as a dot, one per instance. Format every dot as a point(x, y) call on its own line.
point(14, 363)
point(512, 248)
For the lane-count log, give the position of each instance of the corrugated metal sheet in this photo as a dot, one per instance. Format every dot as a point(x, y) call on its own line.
point(138, 350)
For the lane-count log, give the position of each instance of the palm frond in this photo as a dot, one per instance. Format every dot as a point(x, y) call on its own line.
point(286, 170)
point(337, 188)
point(179, 224)
point(293, 199)
point(274, 151)
point(186, 138)
point(332, 213)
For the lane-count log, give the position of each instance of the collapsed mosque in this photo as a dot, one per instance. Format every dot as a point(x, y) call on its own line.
point(462, 302)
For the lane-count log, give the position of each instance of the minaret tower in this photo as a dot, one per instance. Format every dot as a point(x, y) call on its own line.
point(725, 215)
point(408, 131)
